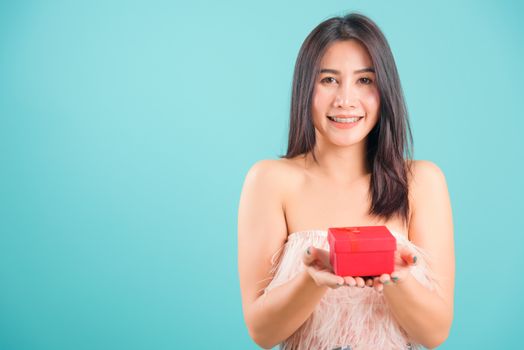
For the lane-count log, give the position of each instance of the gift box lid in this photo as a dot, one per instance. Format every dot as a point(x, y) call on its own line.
point(361, 239)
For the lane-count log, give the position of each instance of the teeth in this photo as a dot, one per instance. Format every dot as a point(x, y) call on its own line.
point(345, 120)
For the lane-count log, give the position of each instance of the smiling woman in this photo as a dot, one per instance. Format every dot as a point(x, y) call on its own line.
point(348, 163)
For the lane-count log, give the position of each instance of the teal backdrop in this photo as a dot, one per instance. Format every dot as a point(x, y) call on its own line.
point(127, 128)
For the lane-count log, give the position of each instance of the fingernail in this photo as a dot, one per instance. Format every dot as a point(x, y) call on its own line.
point(414, 259)
point(385, 282)
point(395, 279)
point(340, 284)
point(307, 251)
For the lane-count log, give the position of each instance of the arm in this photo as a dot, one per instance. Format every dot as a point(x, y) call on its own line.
point(262, 230)
point(426, 316)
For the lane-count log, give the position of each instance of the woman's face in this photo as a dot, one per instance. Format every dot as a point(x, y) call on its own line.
point(346, 98)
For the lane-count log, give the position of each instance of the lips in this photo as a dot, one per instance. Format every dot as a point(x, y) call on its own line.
point(344, 121)
point(344, 117)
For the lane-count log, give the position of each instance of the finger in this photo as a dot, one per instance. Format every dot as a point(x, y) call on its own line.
point(350, 281)
point(369, 282)
point(323, 256)
point(316, 256)
point(328, 279)
point(409, 259)
point(395, 277)
point(377, 284)
point(360, 282)
point(407, 256)
point(385, 278)
point(309, 256)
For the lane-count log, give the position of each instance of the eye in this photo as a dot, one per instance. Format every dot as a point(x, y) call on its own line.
point(365, 80)
point(328, 80)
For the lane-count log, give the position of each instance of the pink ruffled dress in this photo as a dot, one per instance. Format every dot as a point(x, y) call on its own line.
point(345, 318)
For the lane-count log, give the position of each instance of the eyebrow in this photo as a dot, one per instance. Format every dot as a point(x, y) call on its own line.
point(334, 71)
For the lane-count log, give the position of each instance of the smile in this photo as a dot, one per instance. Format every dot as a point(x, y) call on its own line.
point(344, 119)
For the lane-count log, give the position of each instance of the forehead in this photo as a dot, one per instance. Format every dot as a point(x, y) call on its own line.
point(346, 53)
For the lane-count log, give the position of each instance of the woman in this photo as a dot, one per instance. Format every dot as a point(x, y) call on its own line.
point(347, 164)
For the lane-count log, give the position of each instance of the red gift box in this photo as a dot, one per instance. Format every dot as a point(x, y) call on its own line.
point(361, 250)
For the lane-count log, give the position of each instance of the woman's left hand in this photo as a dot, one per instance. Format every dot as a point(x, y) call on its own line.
point(404, 259)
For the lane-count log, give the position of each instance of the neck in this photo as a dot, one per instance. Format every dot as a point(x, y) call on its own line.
point(342, 165)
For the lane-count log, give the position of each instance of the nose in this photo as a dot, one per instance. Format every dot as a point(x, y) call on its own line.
point(346, 98)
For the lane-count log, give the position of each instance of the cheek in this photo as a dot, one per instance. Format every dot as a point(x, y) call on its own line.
point(321, 100)
point(372, 101)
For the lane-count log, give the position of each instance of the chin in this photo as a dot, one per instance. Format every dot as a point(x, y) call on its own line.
point(347, 142)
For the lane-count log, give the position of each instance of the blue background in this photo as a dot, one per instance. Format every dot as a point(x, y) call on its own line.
point(127, 127)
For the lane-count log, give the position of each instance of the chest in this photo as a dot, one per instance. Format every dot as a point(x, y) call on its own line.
point(313, 204)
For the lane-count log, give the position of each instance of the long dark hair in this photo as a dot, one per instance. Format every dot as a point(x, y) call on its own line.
point(389, 143)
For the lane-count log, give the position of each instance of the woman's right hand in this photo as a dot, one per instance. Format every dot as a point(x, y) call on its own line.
point(319, 268)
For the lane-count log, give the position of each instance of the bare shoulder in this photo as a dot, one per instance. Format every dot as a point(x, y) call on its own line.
point(425, 172)
point(425, 178)
point(278, 174)
point(268, 168)
point(262, 199)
